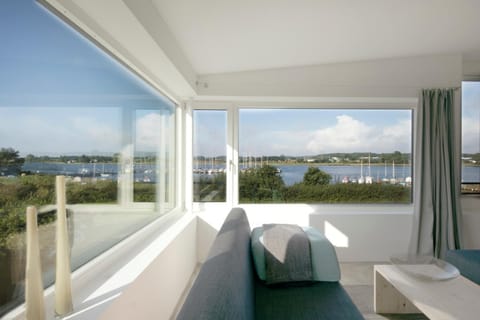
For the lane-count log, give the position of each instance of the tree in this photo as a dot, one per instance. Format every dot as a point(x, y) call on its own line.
point(10, 161)
point(262, 184)
point(29, 158)
point(315, 177)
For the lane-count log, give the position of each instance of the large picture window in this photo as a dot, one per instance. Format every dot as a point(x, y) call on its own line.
point(325, 156)
point(471, 137)
point(67, 108)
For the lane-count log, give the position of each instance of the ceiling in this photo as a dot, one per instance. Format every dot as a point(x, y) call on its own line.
point(219, 36)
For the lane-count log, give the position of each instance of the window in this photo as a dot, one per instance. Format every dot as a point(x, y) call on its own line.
point(209, 155)
point(154, 159)
point(325, 155)
point(67, 108)
point(471, 137)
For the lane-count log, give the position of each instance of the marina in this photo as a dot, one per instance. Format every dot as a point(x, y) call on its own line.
point(290, 173)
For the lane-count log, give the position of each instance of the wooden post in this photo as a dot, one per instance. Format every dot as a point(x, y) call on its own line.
point(63, 286)
point(35, 308)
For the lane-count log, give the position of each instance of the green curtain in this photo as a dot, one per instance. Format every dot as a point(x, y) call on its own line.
point(437, 216)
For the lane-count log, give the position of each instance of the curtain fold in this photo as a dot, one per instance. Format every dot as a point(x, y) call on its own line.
point(437, 214)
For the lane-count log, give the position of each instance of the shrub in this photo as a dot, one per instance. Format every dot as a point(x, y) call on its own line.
point(348, 193)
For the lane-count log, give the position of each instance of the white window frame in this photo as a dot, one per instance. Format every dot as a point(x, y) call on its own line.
point(231, 154)
point(233, 104)
point(464, 194)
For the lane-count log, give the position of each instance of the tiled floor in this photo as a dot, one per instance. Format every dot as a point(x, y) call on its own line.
point(357, 278)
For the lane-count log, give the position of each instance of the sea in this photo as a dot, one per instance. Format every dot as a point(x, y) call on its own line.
point(291, 174)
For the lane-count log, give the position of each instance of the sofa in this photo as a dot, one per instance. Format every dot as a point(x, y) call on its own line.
point(227, 286)
point(467, 262)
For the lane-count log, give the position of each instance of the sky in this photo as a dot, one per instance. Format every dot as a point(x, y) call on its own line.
point(471, 117)
point(303, 132)
point(60, 94)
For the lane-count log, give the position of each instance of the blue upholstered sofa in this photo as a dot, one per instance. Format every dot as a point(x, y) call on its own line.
point(227, 286)
point(467, 262)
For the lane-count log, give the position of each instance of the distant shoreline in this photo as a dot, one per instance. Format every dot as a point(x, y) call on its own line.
point(258, 164)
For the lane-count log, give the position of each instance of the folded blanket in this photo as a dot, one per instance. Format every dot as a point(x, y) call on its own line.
point(287, 254)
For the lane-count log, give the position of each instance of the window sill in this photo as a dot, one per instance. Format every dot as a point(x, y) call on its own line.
point(99, 282)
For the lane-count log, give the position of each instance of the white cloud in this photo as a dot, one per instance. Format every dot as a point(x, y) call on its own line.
point(148, 132)
point(351, 135)
point(274, 143)
point(47, 133)
point(98, 135)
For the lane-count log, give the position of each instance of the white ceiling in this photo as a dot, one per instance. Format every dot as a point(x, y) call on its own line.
point(219, 36)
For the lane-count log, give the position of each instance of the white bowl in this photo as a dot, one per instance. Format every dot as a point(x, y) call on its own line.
point(425, 267)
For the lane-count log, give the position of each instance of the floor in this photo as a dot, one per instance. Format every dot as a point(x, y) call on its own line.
point(357, 278)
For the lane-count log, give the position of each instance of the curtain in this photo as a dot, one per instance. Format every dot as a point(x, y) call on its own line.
point(437, 214)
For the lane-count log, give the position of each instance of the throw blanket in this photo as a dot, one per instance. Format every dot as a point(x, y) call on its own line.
point(287, 254)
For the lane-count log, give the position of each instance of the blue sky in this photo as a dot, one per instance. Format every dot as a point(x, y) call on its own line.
point(311, 132)
point(297, 132)
point(45, 64)
point(471, 117)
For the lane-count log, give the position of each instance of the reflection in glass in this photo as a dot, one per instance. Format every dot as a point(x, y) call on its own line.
point(154, 158)
point(67, 108)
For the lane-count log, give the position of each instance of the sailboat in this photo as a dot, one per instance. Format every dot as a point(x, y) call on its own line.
point(361, 180)
point(369, 179)
point(385, 179)
point(393, 180)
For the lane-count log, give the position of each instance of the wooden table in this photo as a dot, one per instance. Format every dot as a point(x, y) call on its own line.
point(398, 292)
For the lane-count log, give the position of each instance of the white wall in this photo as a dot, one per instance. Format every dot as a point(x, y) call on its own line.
point(374, 235)
point(156, 291)
point(380, 78)
point(359, 233)
point(471, 70)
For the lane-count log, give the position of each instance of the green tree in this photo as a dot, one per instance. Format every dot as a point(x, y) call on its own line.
point(10, 161)
point(316, 177)
point(30, 158)
point(84, 159)
point(261, 185)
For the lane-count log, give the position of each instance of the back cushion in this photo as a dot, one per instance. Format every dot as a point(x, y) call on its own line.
point(224, 288)
point(325, 265)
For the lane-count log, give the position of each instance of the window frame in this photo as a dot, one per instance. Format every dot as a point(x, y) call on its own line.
point(462, 192)
point(233, 104)
point(230, 150)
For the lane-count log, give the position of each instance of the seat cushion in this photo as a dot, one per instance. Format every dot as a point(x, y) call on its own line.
point(319, 301)
point(325, 265)
point(467, 262)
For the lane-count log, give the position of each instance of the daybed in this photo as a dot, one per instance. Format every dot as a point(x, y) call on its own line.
point(227, 286)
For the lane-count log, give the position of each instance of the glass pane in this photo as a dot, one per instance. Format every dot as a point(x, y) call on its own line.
point(148, 124)
point(471, 137)
point(209, 155)
point(67, 108)
point(323, 155)
point(154, 159)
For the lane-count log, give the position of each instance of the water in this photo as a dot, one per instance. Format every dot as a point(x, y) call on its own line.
point(291, 174)
point(294, 174)
point(107, 171)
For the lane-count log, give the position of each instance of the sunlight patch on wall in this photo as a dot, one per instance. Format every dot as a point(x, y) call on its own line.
point(336, 237)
